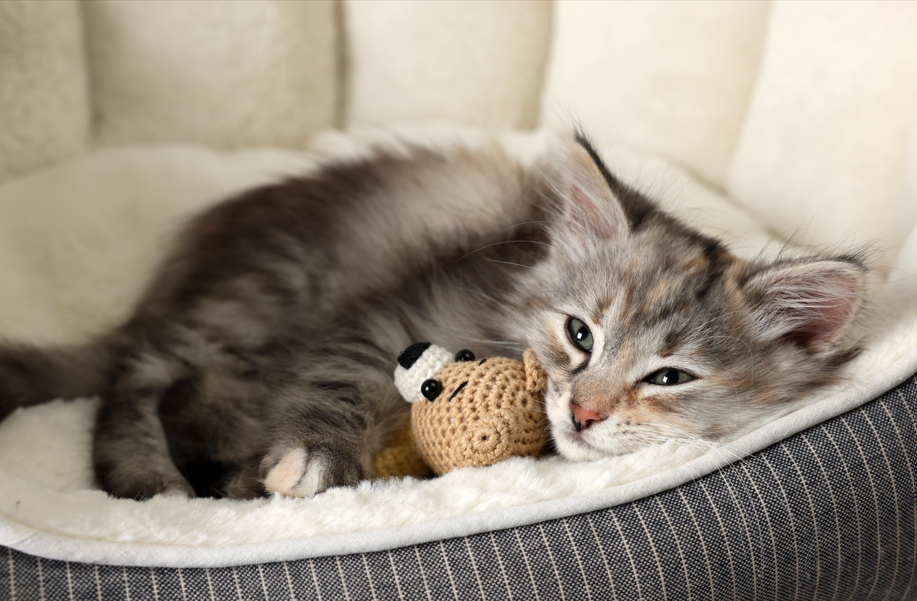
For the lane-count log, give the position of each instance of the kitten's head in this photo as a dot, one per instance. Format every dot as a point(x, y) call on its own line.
point(649, 330)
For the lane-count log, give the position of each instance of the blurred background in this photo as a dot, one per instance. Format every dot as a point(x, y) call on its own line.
point(802, 112)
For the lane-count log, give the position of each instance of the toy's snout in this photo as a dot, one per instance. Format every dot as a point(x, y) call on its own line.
point(490, 441)
point(487, 411)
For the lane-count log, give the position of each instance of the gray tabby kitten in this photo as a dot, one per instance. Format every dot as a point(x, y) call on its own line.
point(260, 359)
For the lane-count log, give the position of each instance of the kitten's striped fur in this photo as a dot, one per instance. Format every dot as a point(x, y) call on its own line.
point(261, 357)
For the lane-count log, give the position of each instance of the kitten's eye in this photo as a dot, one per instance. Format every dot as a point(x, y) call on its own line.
point(464, 355)
point(669, 377)
point(580, 334)
point(431, 389)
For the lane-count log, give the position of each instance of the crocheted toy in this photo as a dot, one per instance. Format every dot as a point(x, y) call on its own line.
point(467, 412)
point(401, 457)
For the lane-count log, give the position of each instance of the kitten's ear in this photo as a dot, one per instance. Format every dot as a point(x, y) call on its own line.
point(589, 211)
point(809, 304)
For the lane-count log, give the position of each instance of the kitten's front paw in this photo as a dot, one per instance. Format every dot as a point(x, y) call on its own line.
point(297, 474)
point(178, 490)
point(306, 471)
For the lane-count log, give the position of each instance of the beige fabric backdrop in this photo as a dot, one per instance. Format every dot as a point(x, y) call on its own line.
point(473, 63)
point(822, 151)
point(672, 78)
point(44, 101)
point(223, 74)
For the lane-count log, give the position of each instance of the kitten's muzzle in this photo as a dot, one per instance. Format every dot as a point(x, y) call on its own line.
point(583, 417)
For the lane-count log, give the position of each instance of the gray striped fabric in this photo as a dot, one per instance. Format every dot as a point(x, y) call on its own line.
point(829, 513)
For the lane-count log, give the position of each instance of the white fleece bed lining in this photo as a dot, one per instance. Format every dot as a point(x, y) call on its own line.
point(45, 511)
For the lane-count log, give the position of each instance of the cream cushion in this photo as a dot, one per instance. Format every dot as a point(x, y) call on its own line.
point(821, 155)
point(673, 78)
point(44, 96)
point(222, 74)
point(481, 64)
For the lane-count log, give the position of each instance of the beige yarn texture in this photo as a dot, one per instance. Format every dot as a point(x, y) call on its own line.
point(498, 413)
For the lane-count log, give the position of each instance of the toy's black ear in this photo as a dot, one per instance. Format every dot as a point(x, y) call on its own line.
point(411, 354)
point(419, 363)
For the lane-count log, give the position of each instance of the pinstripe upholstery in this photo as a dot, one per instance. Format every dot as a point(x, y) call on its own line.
point(829, 513)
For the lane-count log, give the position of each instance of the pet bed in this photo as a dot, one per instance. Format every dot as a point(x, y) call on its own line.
point(110, 114)
point(733, 514)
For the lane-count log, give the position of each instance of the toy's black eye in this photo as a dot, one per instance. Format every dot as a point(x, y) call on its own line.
point(580, 334)
point(669, 377)
point(464, 355)
point(431, 389)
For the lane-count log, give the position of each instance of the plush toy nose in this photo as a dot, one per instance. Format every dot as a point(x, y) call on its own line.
point(583, 417)
point(486, 441)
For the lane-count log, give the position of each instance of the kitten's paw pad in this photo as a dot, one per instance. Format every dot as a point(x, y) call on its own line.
point(178, 491)
point(309, 469)
point(297, 474)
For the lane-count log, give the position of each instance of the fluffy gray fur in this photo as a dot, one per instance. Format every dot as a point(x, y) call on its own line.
point(260, 358)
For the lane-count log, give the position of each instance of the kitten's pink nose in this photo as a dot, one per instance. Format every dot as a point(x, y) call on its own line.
point(583, 417)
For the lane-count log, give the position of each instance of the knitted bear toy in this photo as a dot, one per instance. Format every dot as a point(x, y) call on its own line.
point(465, 412)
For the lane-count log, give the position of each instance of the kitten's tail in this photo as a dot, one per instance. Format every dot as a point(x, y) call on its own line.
point(30, 375)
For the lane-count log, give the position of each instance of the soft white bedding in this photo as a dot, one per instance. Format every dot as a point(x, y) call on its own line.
point(76, 244)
